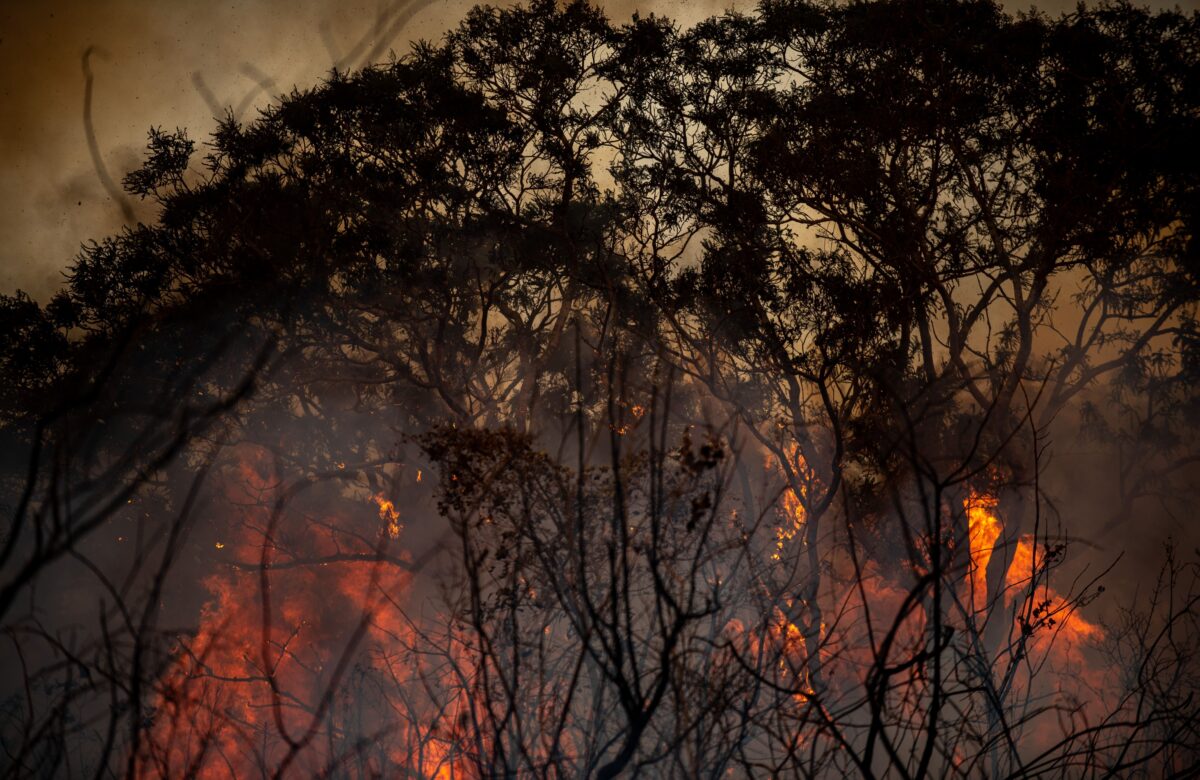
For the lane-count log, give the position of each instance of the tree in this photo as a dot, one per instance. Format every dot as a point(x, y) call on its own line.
point(738, 351)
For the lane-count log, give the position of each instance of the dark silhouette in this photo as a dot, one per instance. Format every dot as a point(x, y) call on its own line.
point(571, 398)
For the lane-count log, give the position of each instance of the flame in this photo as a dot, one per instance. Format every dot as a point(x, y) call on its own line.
point(1022, 566)
point(1050, 610)
point(782, 643)
point(793, 503)
point(983, 529)
point(388, 514)
point(1052, 606)
point(244, 685)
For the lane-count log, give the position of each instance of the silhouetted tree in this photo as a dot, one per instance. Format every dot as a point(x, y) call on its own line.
point(877, 255)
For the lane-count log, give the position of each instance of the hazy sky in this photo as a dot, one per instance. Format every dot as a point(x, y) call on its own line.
point(164, 62)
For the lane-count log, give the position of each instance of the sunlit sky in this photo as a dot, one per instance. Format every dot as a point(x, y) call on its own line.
point(167, 63)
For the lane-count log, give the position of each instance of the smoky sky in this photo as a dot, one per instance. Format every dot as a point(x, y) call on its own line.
point(176, 64)
point(165, 64)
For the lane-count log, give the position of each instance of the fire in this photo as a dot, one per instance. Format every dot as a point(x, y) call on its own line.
point(389, 515)
point(794, 511)
point(983, 528)
point(1052, 608)
point(793, 503)
point(794, 657)
point(274, 657)
point(1051, 611)
point(781, 642)
point(245, 685)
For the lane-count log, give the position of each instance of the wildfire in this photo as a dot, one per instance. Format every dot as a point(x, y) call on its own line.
point(388, 514)
point(623, 428)
point(246, 682)
point(783, 641)
point(983, 529)
point(1026, 560)
point(793, 503)
point(249, 680)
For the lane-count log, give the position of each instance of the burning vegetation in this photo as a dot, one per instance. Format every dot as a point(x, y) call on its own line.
point(573, 398)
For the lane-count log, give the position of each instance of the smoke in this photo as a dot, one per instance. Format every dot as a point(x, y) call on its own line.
point(177, 64)
point(273, 561)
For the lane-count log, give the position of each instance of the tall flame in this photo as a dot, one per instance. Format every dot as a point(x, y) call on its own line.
point(388, 514)
point(983, 529)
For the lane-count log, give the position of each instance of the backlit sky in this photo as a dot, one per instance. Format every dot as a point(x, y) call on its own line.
point(168, 62)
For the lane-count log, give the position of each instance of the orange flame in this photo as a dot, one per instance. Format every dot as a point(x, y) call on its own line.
point(1074, 627)
point(793, 503)
point(244, 683)
point(983, 529)
point(388, 514)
